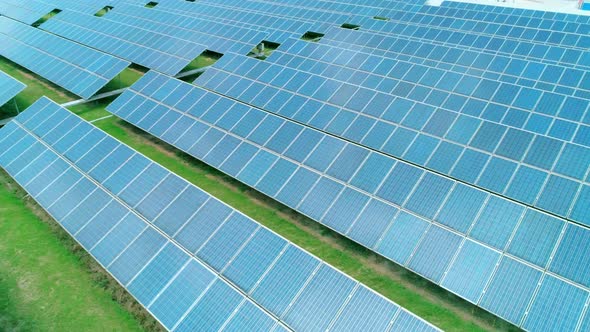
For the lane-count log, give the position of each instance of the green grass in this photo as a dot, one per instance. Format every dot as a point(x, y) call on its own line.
point(269, 47)
point(207, 58)
point(380, 18)
point(312, 36)
point(103, 11)
point(47, 17)
point(125, 79)
point(43, 285)
point(93, 110)
point(36, 88)
point(427, 300)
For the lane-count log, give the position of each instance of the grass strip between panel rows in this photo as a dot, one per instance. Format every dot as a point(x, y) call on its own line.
point(48, 282)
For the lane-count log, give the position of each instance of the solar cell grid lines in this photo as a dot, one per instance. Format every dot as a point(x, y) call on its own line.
point(547, 77)
point(453, 140)
point(373, 199)
point(87, 7)
point(520, 12)
point(192, 261)
point(530, 32)
point(537, 50)
point(32, 11)
point(423, 128)
point(547, 24)
point(251, 10)
point(219, 37)
point(471, 40)
point(10, 87)
point(278, 29)
point(74, 67)
point(25, 12)
point(150, 49)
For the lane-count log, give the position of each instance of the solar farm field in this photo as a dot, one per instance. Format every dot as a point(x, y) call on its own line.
point(287, 165)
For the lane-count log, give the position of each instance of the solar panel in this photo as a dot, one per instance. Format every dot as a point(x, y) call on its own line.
point(428, 223)
point(277, 16)
point(419, 132)
point(189, 259)
point(548, 77)
point(559, 52)
point(278, 29)
point(441, 17)
point(523, 12)
point(31, 11)
point(147, 48)
point(26, 12)
point(10, 87)
point(219, 37)
point(74, 67)
point(83, 7)
point(520, 48)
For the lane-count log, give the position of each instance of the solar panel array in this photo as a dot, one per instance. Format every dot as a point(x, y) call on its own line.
point(147, 48)
point(10, 87)
point(453, 140)
point(192, 261)
point(561, 52)
point(478, 245)
point(31, 11)
point(520, 12)
point(529, 31)
point(26, 12)
point(420, 125)
point(280, 27)
point(534, 74)
point(74, 67)
point(401, 23)
point(218, 36)
point(87, 7)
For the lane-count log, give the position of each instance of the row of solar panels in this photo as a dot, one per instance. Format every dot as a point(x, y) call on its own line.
point(538, 75)
point(413, 131)
point(193, 262)
point(534, 70)
point(505, 257)
point(462, 38)
point(10, 87)
point(30, 12)
point(523, 12)
point(74, 67)
point(169, 63)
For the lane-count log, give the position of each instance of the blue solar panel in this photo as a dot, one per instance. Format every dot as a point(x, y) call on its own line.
point(76, 68)
point(10, 87)
point(147, 48)
point(456, 20)
point(219, 37)
point(415, 141)
point(182, 282)
point(26, 12)
point(411, 222)
point(556, 293)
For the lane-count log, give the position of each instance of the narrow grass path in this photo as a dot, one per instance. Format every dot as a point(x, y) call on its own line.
point(44, 286)
point(425, 299)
